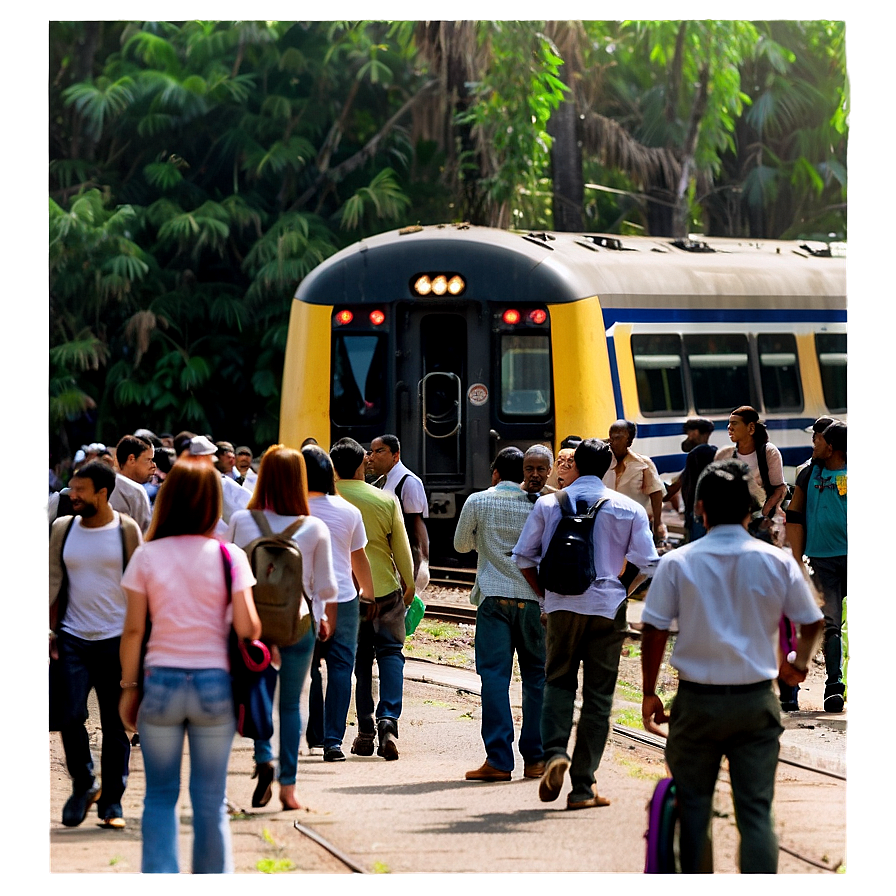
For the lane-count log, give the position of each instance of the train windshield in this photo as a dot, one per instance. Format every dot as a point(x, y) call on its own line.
point(359, 378)
point(525, 360)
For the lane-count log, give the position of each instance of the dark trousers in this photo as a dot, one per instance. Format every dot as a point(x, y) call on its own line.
point(746, 728)
point(829, 574)
point(382, 640)
point(86, 665)
point(595, 644)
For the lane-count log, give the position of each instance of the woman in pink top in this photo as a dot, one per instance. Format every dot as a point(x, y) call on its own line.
point(177, 579)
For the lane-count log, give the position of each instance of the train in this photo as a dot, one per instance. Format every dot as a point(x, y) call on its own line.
point(462, 340)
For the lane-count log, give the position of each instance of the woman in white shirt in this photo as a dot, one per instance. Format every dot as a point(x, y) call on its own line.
point(178, 579)
point(327, 715)
point(281, 493)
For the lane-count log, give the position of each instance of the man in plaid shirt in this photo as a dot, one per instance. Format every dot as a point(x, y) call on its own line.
point(508, 619)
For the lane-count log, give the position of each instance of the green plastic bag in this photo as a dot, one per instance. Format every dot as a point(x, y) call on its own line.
point(413, 615)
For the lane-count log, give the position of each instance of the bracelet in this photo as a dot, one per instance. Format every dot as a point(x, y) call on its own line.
point(124, 685)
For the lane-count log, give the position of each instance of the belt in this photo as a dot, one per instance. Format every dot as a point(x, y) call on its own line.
point(696, 688)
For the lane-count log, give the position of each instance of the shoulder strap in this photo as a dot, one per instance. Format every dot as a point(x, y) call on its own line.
point(228, 571)
point(262, 522)
point(124, 544)
point(565, 502)
point(398, 489)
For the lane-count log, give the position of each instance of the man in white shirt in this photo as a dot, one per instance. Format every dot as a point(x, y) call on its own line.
point(88, 553)
point(586, 628)
point(135, 468)
point(728, 592)
point(384, 460)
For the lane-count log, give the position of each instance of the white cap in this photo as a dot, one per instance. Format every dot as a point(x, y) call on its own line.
point(200, 445)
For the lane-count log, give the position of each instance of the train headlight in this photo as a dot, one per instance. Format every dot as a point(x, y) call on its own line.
point(440, 285)
point(456, 285)
point(511, 316)
point(344, 317)
point(538, 316)
point(423, 286)
point(377, 317)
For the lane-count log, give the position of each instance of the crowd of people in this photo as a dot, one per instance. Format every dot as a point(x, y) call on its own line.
point(148, 576)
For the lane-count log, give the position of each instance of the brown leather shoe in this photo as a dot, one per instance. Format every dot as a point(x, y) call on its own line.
point(533, 770)
point(487, 772)
point(552, 780)
point(594, 802)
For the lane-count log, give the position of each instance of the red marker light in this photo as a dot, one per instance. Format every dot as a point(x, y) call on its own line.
point(344, 317)
point(377, 317)
point(538, 316)
point(511, 316)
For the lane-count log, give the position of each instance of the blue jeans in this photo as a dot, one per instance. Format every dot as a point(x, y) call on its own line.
point(294, 664)
point(200, 703)
point(382, 640)
point(86, 665)
point(328, 714)
point(502, 626)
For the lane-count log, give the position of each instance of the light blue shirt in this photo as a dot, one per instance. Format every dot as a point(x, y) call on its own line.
point(621, 532)
point(490, 523)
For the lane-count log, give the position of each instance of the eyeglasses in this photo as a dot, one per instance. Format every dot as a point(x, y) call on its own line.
point(376, 451)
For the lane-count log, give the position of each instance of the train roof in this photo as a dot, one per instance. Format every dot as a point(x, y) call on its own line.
point(560, 267)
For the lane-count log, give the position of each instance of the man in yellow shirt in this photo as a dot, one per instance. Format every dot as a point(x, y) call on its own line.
point(381, 633)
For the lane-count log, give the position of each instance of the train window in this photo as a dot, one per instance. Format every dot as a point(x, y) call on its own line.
point(720, 371)
point(525, 360)
point(831, 350)
point(359, 378)
point(658, 372)
point(779, 372)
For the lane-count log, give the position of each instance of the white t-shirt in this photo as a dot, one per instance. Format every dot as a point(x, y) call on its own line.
point(413, 494)
point(313, 539)
point(728, 591)
point(346, 527)
point(775, 469)
point(94, 562)
point(234, 497)
point(182, 577)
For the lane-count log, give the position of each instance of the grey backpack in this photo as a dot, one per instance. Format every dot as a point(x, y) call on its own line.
point(279, 591)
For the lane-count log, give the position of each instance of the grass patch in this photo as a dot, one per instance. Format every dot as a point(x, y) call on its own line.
point(636, 770)
point(437, 703)
point(274, 866)
point(115, 860)
point(381, 868)
point(630, 718)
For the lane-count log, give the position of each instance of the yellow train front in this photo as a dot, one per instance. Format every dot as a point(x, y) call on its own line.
point(463, 340)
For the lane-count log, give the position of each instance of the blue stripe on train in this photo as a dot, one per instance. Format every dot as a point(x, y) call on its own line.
point(674, 463)
point(722, 315)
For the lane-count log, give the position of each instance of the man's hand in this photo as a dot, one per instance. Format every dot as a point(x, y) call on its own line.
point(409, 593)
point(54, 647)
point(653, 714)
point(369, 610)
point(791, 674)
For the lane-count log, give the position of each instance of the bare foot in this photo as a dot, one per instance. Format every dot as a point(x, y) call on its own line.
point(288, 797)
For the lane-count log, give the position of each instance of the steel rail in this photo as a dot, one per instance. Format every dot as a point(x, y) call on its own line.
point(337, 853)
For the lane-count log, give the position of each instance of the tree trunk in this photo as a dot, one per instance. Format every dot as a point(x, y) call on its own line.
point(566, 163)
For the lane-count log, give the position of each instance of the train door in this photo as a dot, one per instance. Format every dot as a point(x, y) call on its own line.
point(441, 399)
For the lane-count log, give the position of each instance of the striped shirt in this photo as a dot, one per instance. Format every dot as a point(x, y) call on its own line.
point(490, 523)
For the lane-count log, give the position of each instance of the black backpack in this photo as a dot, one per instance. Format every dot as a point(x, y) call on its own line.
point(568, 564)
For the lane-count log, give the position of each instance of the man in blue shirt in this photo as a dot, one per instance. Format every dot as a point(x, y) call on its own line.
point(584, 629)
point(508, 619)
point(816, 527)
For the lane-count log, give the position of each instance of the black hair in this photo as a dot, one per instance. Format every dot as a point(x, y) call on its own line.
point(319, 469)
point(593, 457)
point(509, 464)
point(835, 436)
point(347, 455)
point(129, 445)
point(182, 441)
point(164, 458)
point(760, 440)
point(570, 441)
point(391, 442)
point(724, 489)
point(701, 424)
point(100, 474)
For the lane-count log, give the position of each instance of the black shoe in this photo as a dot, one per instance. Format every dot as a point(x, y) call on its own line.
point(76, 806)
point(790, 706)
point(264, 789)
point(135, 740)
point(833, 697)
point(363, 744)
point(388, 746)
point(334, 754)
